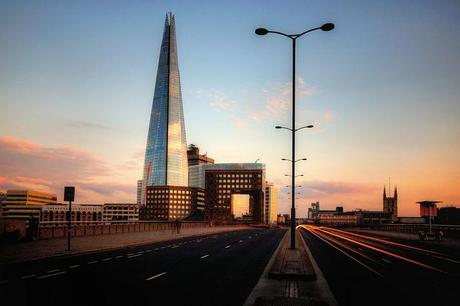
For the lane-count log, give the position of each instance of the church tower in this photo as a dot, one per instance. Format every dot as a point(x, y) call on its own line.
point(390, 205)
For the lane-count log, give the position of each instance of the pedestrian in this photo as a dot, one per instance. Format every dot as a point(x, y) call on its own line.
point(441, 235)
point(177, 223)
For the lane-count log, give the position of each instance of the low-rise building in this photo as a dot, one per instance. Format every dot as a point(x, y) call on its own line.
point(120, 212)
point(80, 213)
point(25, 204)
point(271, 203)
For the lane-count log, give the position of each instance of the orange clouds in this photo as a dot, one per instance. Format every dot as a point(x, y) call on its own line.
point(24, 164)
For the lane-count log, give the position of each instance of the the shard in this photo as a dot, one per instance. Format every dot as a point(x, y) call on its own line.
point(166, 151)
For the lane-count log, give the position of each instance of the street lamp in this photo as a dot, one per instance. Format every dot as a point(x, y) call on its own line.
point(295, 160)
point(262, 31)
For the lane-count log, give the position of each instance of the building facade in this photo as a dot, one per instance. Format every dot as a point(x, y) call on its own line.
point(390, 204)
point(166, 151)
point(80, 213)
point(24, 204)
point(271, 203)
point(120, 212)
point(223, 180)
point(195, 158)
point(139, 192)
point(172, 202)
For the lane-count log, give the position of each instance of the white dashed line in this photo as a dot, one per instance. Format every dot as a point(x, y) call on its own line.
point(386, 260)
point(3, 281)
point(156, 249)
point(28, 276)
point(132, 256)
point(119, 256)
point(50, 275)
point(53, 271)
point(228, 246)
point(92, 262)
point(204, 256)
point(240, 241)
point(155, 276)
point(148, 251)
point(74, 266)
point(107, 259)
point(174, 247)
point(141, 252)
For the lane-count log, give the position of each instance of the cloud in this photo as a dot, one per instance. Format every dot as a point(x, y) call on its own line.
point(279, 99)
point(216, 99)
point(27, 165)
point(325, 188)
point(87, 125)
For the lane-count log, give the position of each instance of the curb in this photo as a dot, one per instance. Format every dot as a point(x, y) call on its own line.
point(107, 249)
point(320, 279)
point(251, 299)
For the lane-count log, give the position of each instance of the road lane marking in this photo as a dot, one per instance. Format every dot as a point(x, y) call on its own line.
point(130, 254)
point(74, 266)
point(119, 256)
point(386, 260)
point(28, 276)
point(241, 241)
point(141, 252)
point(174, 247)
point(448, 259)
point(155, 276)
point(148, 251)
point(92, 262)
point(50, 275)
point(107, 259)
point(156, 249)
point(52, 271)
point(137, 255)
point(3, 281)
point(204, 256)
point(228, 246)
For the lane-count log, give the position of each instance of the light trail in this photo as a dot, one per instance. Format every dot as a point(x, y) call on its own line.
point(383, 241)
point(382, 251)
point(343, 252)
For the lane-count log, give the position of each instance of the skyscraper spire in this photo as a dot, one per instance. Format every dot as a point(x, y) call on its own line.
point(166, 150)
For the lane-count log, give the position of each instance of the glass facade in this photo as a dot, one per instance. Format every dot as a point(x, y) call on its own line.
point(166, 151)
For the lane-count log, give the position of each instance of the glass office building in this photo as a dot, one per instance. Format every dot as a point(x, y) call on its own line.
point(166, 151)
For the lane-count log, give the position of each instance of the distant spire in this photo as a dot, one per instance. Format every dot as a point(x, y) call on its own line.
point(396, 192)
point(384, 193)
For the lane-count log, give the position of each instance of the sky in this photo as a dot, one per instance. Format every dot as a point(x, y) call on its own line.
point(382, 89)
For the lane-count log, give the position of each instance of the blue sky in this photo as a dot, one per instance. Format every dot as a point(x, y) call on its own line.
point(382, 89)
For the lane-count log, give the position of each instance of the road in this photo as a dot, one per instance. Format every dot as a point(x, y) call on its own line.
point(219, 269)
point(369, 270)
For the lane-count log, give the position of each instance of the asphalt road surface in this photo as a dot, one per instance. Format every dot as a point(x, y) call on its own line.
point(363, 269)
point(218, 269)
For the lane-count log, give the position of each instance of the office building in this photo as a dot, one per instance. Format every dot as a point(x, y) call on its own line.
point(120, 212)
point(223, 180)
point(139, 192)
point(172, 202)
point(166, 151)
point(195, 158)
point(24, 204)
point(271, 203)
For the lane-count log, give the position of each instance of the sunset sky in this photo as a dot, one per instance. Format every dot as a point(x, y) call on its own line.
point(382, 89)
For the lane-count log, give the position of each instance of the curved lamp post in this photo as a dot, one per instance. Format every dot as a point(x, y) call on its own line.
point(262, 31)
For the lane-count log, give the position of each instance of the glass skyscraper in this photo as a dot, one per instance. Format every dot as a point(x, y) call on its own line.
point(166, 151)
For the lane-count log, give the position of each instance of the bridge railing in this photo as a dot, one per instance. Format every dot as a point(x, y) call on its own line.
point(448, 230)
point(58, 229)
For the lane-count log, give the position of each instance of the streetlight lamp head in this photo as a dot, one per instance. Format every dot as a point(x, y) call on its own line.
point(278, 127)
point(325, 27)
point(310, 126)
point(283, 159)
point(304, 159)
point(261, 31)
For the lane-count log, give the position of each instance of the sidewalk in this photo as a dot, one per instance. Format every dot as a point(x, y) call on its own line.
point(33, 250)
